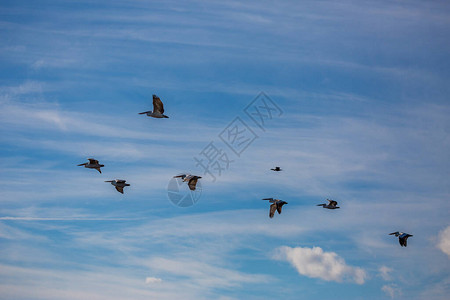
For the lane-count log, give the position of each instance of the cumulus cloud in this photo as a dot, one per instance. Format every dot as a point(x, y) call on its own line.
point(385, 273)
point(391, 290)
point(444, 241)
point(152, 280)
point(316, 263)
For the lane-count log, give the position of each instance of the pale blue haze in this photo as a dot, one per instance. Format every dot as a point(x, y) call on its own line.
point(364, 88)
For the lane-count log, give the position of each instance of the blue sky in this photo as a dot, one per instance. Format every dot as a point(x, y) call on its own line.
point(363, 87)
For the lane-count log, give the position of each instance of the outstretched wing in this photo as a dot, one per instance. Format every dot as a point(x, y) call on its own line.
point(271, 200)
point(93, 161)
point(279, 209)
point(273, 208)
point(331, 202)
point(119, 189)
point(182, 176)
point(193, 183)
point(157, 105)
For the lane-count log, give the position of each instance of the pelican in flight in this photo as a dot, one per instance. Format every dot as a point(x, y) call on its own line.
point(92, 164)
point(402, 237)
point(190, 179)
point(276, 205)
point(277, 169)
point(119, 184)
point(158, 109)
point(331, 204)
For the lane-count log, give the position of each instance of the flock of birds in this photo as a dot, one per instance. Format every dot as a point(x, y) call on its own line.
point(191, 180)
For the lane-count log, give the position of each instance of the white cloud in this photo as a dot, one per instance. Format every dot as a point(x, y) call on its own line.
point(444, 241)
point(391, 290)
point(315, 263)
point(204, 274)
point(385, 273)
point(152, 280)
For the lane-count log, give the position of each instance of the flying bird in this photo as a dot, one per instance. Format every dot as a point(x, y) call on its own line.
point(190, 179)
point(92, 164)
point(276, 205)
point(402, 237)
point(277, 169)
point(119, 184)
point(158, 109)
point(331, 204)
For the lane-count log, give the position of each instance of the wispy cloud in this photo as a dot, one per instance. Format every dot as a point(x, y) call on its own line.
point(444, 241)
point(385, 273)
point(392, 290)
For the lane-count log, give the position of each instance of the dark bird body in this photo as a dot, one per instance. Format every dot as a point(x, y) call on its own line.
point(402, 237)
point(190, 179)
point(119, 184)
point(93, 164)
point(158, 109)
point(276, 205)
point(331, 204)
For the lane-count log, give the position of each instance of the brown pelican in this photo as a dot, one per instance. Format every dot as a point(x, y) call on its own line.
point(190, 179)
point(119, 184)
point(331, 204)
point(158, 109)
point(402, 237)
point(277, 169)
point(276, 205)
point(92, 164)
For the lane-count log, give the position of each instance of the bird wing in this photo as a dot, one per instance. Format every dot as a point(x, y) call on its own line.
point(192, 183)
point(157, 104)
point(98, 169)
point(333, 203)
point(271, 200)
point(120, 181)
point(119, 189)
point(93, 161)
point(273, 208)
point(143, 113)
point(279, 208)
point(180, 176)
